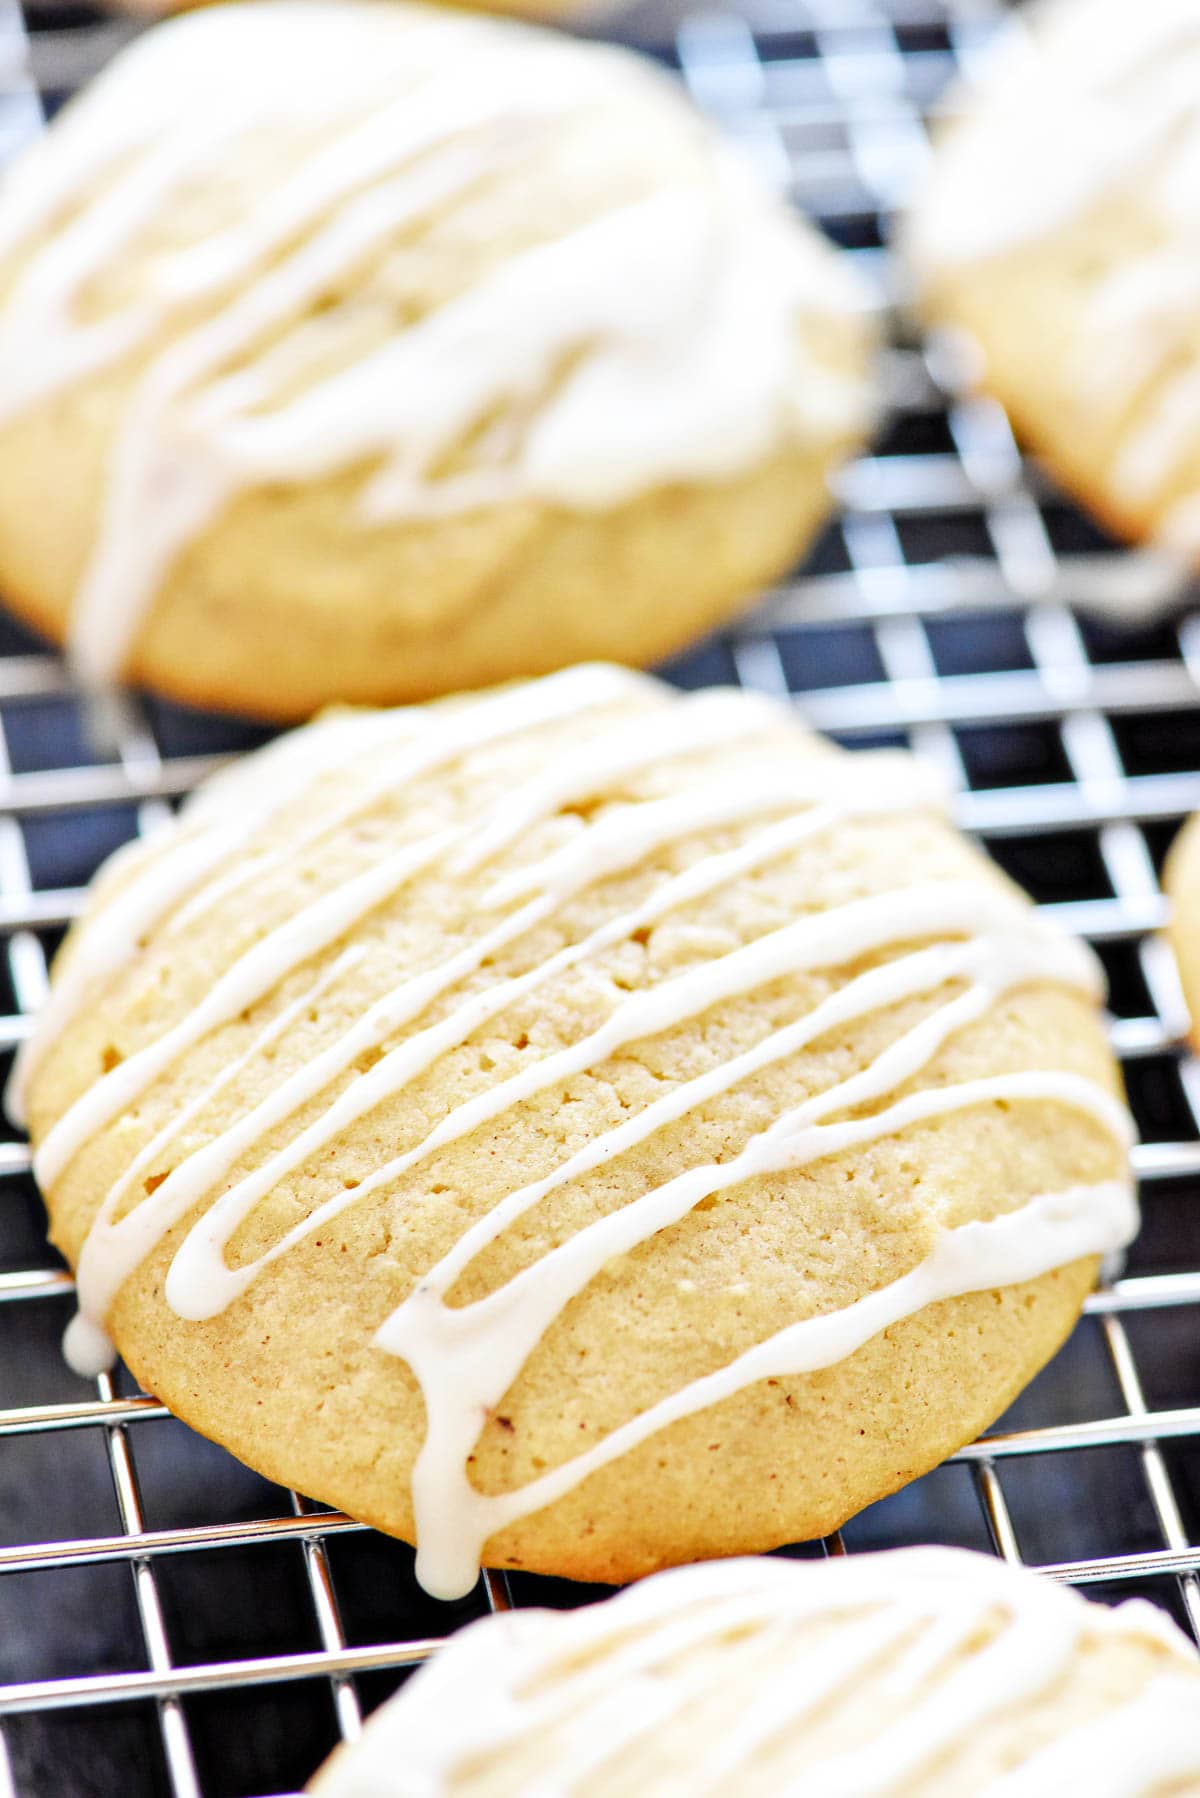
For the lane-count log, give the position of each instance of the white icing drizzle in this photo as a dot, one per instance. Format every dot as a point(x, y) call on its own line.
point(114, 1249)
point(678, 313)
point(706, 720)
point(200, 1284)
point(925, 1649)
point(1087, 101)
point(972, 937)
point(230, 810)
point(1042, 1234)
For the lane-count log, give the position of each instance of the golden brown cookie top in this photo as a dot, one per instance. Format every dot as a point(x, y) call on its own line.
point(929, 1672)
point(436, 263)
point(499, 999)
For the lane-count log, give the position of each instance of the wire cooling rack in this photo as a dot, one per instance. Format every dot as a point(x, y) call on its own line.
point(172, 1624)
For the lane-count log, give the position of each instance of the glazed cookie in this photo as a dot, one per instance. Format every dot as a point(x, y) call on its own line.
point(583, 1126)
point(371, 351)
point(1058, 232)
point(1181, 882)
point(928, 1671)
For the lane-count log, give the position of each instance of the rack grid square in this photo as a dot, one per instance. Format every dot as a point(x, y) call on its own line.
point(171, 1624)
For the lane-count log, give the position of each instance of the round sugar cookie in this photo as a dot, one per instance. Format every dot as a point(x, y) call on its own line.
point(927, 1671)
point(372, 351)
point(1058, 231)
point(581, 1127)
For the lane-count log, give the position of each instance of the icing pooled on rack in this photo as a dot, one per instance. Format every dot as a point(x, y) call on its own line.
point(649, 815)
point(1079, 146)
point(646, 336)
point(923, 1672)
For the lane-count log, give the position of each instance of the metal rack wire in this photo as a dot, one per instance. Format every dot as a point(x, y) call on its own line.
point(170, 1623)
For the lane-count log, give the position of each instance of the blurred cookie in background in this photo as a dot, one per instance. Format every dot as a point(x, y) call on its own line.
point(365, 351)
point(1059, 230)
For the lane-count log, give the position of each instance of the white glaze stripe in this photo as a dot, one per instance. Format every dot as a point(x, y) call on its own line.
point(114, 1249)
point(1044, 1233)
point(86, 1344)
point(1023, 1660)
point(454, 1521)
point(200, 1283)
point(176, 860)
point(903, 978)
point(702, 722)
point(167, 485)
point(1143, 1745)
point(963, 1641)
point(39, 309)
point(460, 113)
point(258, 971)
point(779, 1702)
point(698, 723)
point(237, 804)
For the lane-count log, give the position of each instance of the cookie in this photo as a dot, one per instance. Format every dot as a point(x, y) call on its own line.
point(1057, 231)
point(929, 1671)
point(1181, 883)
point(583, 1127)
point(371, 352)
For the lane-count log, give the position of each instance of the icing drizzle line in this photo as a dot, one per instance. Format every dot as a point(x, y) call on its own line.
point(937, 1645)
point(692, 371)
point(976, 938)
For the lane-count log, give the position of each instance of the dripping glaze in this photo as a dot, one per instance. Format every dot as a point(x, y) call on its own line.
point(975, 935)
point(960, 1638)
point(692, 372)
